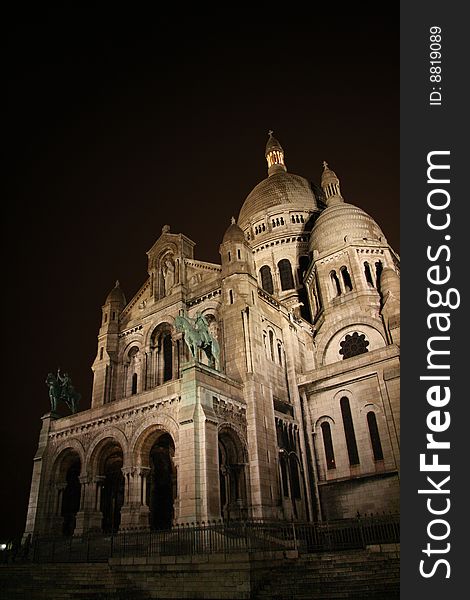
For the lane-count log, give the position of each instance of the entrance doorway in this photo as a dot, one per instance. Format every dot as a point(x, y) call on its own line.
point(161, 482)
point(71, 497)
point(112, 495)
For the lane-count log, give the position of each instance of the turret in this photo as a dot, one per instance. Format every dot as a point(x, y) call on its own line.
point(103, 366)
point(236, 254)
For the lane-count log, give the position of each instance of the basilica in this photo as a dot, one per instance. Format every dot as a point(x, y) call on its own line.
point(262, 387)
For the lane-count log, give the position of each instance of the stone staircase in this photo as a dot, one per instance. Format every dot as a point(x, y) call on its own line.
point(81, 581)
point(355, 574)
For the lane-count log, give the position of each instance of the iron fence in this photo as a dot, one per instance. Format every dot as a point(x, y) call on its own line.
point(220, 537)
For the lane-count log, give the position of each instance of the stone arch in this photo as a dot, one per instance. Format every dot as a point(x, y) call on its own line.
point(323, 419)
point(65, 488)
point(97, 444)
point(163, 355)
point(147, 434)
point(106, 460)
point(328, 342)
point(154, 453)
point(366, 407)
point(73, 445)
point(166, 318)
point(131, 366)
point(233, 484)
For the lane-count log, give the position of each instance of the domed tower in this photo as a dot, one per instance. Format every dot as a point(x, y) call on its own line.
point(276, 219)
point(103, 365)
point(235, 252)
point(349, 253)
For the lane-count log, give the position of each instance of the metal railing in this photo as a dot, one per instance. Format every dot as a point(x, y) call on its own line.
point(220, 537)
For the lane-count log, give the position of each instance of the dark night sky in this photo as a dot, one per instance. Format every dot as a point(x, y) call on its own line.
point(120, 123)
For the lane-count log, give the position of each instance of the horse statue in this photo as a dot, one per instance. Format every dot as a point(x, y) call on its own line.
point(61, 388)
point(197, 335)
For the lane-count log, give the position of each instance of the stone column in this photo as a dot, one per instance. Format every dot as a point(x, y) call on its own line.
point(135, 512)
point(89, 516)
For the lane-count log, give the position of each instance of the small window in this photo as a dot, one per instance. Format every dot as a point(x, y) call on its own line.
point(271, 345)
point(335, 282)
point(229, 257)
point(285, 274)
point(266, 279)
point(114, 316)
point(368, 274)
point(101, 353)
point(328, 445)
point(346, 279)
point(105, 318)
point(349, 431)
point(239, 255)
point(378, 272)
point(279, 353)
point(374, 436)
point(230, 295)
point(134, 384)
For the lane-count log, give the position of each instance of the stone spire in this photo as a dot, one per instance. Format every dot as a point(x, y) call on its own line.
point(274, 155)
point(330, 186)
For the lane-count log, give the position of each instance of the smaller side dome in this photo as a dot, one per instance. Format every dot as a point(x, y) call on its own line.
point(234, 233)
point(390, 282)
point(116, 295)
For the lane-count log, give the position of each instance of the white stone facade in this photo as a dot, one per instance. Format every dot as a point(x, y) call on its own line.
point(298, 418)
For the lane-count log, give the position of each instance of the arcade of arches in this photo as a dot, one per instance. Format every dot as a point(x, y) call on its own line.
point(105, 494)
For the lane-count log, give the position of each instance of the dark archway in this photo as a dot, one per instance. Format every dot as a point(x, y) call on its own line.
point(112, 495)
point(161, 482)
point(71, 496)
point(233, 504)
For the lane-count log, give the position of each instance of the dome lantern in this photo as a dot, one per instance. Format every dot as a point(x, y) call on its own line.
point(330, 186)
point(274, 155)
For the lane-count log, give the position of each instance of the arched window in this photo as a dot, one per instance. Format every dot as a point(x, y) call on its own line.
point(271, 344)
point(266, 279)
point(335, 282)
point(285, 274)
point(368, 274)
point(378, 272)
point(346, 279)
point(349, 431)
point(328, 445)
point(162, 364)
point(279, 352)
point(134, 384)
point(167, 345)
point(304, 263)
point(374, 436)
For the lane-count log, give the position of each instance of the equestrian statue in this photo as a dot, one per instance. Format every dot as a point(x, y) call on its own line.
point(197, 335)
point(61, 388)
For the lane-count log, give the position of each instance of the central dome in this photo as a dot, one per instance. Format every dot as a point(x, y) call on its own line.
point(292, 192)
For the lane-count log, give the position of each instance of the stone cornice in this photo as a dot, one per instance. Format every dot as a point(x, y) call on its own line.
point(118, 417)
